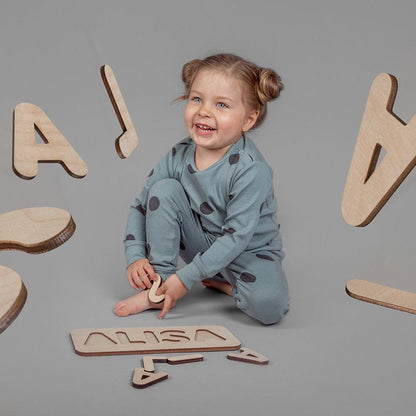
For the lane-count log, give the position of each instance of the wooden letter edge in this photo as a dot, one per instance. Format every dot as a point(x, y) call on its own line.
point(248, 356)
point(382, 295)
point(152, 291)
point(150, 378)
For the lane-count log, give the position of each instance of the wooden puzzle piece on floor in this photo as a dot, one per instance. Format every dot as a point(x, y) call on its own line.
point(368, 186)
point(382, 295)
point(35, 230)
point(152, 291)
point(148, 360)
point(248, 356)
point(127, 141)
point(113, 341)
point(143, 378)
point(12, 296)
point(27, 153)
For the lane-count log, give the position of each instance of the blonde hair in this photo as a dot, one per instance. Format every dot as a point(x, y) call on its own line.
point(260, 84)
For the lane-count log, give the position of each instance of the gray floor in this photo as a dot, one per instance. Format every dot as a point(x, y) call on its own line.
point(331, 355)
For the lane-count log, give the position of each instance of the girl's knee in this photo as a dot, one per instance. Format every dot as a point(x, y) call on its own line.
point(267, 307)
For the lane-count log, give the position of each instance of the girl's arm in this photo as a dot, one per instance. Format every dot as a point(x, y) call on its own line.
point(135, 235)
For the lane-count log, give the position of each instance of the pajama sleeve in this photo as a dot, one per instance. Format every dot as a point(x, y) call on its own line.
point(135, 236)
point(249, 190)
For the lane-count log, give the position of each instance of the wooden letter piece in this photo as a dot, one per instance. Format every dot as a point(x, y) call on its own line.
point(12, 296)
point(152, 292)
point(35, 230)
point(27, 153)
point(248, 356)
point(148, 361)
point(143, 379)
point(127, 141)
point(368, 186)
point(382, 295)
point(182, 359)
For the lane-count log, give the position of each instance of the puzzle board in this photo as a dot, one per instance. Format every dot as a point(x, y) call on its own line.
point(114, 341)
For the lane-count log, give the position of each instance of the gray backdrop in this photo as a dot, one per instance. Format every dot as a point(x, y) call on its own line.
point(331, 355)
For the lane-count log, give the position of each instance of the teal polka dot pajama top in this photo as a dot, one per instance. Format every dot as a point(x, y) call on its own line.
point(221, 221)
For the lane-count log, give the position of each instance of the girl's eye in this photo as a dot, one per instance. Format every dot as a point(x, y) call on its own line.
point(196, 99)
point(222, 105)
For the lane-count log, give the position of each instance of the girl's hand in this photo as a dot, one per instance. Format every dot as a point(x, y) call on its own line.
point(173, 289)
point(140, 273)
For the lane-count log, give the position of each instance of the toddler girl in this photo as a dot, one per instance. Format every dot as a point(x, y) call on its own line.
point(211, 200)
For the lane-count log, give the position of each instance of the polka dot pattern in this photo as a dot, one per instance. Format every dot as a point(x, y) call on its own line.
point(154, 203)
point(264, 257)
point(151, 173)
point(173, 151)
point(191, 170)
point(233, 159)
point(229, 230)
point(130, 237)
point(248, 277)
point(205, 208)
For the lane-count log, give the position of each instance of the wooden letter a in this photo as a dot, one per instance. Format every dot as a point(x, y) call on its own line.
point(369, 186)
point(27, 153)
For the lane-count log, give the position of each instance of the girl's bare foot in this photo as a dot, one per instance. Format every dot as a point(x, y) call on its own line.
point(224, 287)
point(136, 304)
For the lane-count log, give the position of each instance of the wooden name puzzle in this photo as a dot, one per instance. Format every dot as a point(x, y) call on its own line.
point(27, 153)
point(116, 341)
point(35, 230)
point(370, 182)
point(12, 296)
point(128, 140)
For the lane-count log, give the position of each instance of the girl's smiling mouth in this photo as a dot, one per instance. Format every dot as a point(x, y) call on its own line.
point(204, 128)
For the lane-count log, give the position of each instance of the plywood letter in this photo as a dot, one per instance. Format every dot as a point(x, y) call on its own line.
point(369, 186)
point(127, 141)
point(12, 296)
point(27, 153)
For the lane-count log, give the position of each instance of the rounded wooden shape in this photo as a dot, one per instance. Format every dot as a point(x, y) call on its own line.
point(12, 296)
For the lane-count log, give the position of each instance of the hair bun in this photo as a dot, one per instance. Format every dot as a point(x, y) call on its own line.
point(269, 86)
point(189, 71)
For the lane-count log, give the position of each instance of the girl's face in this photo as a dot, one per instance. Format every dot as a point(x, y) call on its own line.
point(216, 115)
